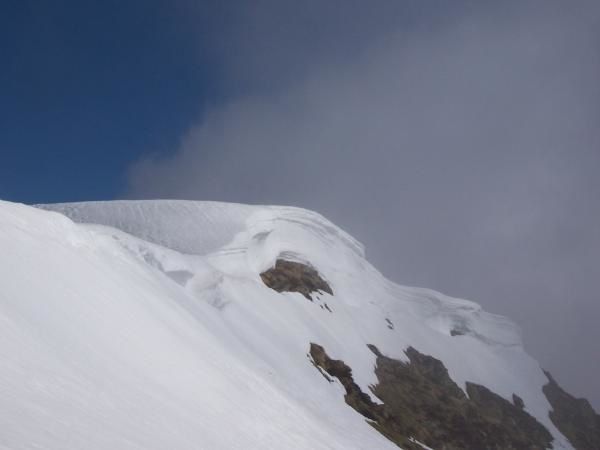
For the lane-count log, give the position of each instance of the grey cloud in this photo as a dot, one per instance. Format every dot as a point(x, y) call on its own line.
point(461, 146)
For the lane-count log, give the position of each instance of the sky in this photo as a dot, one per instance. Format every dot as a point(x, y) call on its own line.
point(459, 141)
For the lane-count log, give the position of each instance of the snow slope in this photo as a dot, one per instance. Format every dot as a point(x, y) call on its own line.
point(146, 325)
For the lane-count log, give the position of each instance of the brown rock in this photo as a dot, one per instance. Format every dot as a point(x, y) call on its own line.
point(421, 401)
point(290, 276)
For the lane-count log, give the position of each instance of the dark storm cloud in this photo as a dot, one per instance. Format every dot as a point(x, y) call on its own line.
point(460, 145)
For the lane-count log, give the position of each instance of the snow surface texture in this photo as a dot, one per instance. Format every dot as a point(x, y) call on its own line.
point(145, 325)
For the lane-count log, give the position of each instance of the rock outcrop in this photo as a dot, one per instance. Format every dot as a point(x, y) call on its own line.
point(574, 417)
point(290, 276)
point(422, 403)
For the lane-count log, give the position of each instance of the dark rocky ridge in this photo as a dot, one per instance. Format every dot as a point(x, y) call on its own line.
point(290, 276)
point(421, 401)
point(574, 417)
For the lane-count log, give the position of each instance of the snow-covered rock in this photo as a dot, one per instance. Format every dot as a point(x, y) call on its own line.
point(146, 325)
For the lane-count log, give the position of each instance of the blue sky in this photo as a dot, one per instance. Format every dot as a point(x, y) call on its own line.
point(89, 87)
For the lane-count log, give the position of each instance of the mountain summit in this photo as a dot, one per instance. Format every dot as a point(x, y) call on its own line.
point(204, 325)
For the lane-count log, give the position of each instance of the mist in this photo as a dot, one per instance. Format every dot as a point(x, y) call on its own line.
point(460, 144)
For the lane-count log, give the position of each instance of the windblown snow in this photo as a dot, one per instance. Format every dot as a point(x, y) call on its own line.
point(145, 325)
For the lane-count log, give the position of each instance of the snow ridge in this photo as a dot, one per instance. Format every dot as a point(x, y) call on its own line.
point(149, 327)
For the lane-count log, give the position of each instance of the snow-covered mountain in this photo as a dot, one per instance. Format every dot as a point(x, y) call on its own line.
point(202, 325)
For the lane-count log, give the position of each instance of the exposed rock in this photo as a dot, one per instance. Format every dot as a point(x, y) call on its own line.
point(354, 397)
point(290, 276)
point(518, 401)
point(574, 417)
point(390, 325)
point(522, 430)
point(420, 401)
